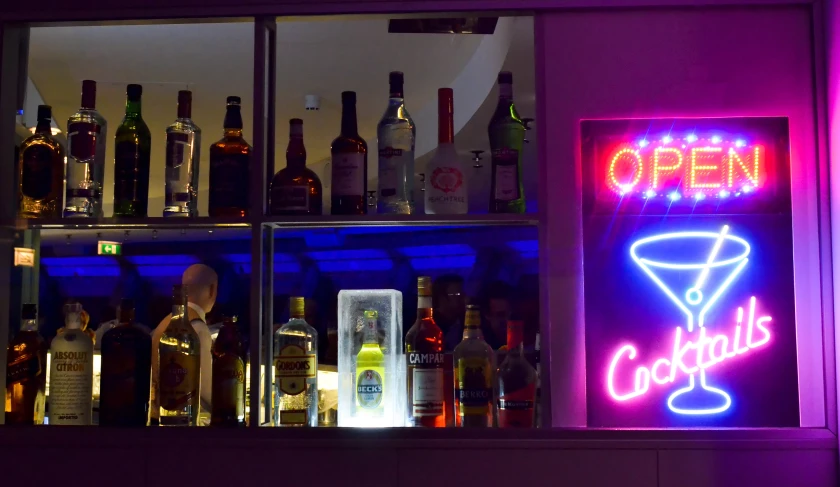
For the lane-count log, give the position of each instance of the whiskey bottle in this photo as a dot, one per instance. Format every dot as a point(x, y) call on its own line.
point(183, 144)
point(180, 361)
point(86, 138)
point(26, 375)
point(228, 408)
point(295, 189)
point(296, 370)
point(475, 374)
point(230, 161)
point(395, 136)
point(349, 163)
point(126, 371)
point(446, 186)
point(71, 372)
point(41, 171)
point(424, 353)
point(132, 159)
point(507, 136)
point(517, 382)
point(370, 371)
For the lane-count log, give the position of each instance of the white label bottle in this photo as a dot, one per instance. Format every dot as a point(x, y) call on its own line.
point(446, 184)
point(71, 372)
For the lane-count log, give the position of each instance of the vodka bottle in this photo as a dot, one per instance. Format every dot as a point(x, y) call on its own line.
point(71, 372)
point(395, 137)
point(183, 141)
point(86, 138)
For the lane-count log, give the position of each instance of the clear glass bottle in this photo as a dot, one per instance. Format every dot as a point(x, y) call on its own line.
point(180, 366)
point(71, 372)
point(446, 184)
point(86, 139)
point(507, 136)
point(296, 370)
point(395, 137)
point(26, 372)
point(41, 171)
point(132, 159)
point(295, 189)
point(475, 374)
point(426, 398)
point(370, 371)
point(517, 383)
point(183, 144)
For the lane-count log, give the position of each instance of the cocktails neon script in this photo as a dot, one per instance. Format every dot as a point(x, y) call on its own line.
point(694, 350)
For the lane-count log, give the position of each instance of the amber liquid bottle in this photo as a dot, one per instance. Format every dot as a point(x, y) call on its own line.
point(349, 163)
point(41, 171)
point(427, 403)
point(26, 372)
point(228, 407)
point(295, 189)
point(230, 161)
point(126, 370)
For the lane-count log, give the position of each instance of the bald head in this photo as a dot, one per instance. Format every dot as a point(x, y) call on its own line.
point(202, 285)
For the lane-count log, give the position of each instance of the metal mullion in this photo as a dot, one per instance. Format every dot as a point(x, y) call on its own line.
point(268, 317)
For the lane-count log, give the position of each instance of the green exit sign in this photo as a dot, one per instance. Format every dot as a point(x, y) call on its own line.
point(109, 248)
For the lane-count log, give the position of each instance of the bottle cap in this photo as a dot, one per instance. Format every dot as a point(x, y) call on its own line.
point(89, 94)
point(371, 314)
point(473, 318)
point(297, 306)
point(506, 78)
point(396, 79)
point(29, 311)
point(44, 112)
point(424, 286)
point(348, 97)
point(134, 92)
point(234, 100)
point(296, 127)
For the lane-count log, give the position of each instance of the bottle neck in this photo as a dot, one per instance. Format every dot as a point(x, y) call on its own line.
point(29, 325)
point(295, 151)
point(179, 309)
point(73, 321)
point(446, 129)
point(424, 307)
point(471, 332)
point(370, 336)
point(184, 110)
point(233, 122)
point(44, 127)
point(505, 93)
point(348, 121)
point(132, 109)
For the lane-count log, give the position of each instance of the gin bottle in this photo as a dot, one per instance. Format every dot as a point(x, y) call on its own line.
point(475, 374)
point(296, 370)
point(71, 372)
point(395, 137)
point(179, 369)
point(370, 371)
point(507, 136)
point(183, 142)
point(86, 138)
point(26, 372)
point(446, 186)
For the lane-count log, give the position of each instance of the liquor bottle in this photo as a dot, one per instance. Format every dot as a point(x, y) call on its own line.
point(86, 138)
point(424, 352)
point(446, 187)
point(295, 189)
point(507, 136)
point(41, 171)
point(71, 372)
point(349, 163)
point(230, 161)
point(475, 374)
point(228, 408)
point(296, 370)
point(183, 144)
point(26, 374)
point(517, 382)
point(126, 371)
point(395, 136)
point(132, 155)
point(370, 371)
point(180, 361)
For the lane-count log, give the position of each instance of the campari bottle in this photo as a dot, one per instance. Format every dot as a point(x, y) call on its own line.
point(517, 383)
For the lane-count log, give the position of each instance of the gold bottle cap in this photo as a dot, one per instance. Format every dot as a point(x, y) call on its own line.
point(296, 306)
point(424, 286)
point(473, 319)
point(371, 314)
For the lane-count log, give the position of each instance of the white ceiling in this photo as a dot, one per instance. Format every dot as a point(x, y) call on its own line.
point(321, 57)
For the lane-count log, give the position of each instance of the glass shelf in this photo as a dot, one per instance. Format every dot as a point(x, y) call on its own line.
point(127, 224)
point(328, 221)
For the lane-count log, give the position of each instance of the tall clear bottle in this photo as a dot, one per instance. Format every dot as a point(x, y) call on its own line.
point(395, 136)
point(426, 402)
point(26, 372)
point(86, 139)
point(41, 171)
point(517, 383)
point(446, 185)
point(296, 370)
point(183, 144)
point(370, 371)
point(507, 136)
point(132, 159)
point(71, 372)
point(475, 374)
point(180, 362)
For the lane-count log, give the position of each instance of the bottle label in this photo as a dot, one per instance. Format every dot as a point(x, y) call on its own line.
point(475, 386)
point(179, 380)
point(294, 416)
point(229, 181)
point(118, 384)
point(292, 366)
point(71, 381)
point(229, 384)
point(369, 389)
point(390, 160)
point(505, 164)
point(428, 392)
point(177, 149)
point(37, 178)
point(447, 179)
point(128, 173)
point(81, 139)
point(80, 193)
point(291, 198)
point(23, 369)
point(348, 174)
point(516, 409)
point(175, 198)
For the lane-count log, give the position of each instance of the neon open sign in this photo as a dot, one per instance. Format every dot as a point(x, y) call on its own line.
point(688, 166)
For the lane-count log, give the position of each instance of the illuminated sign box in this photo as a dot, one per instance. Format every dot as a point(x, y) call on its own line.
point(688, 262)
point(24, 257)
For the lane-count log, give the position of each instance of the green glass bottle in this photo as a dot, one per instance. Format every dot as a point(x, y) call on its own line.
point(507, 135)
point(132, 152)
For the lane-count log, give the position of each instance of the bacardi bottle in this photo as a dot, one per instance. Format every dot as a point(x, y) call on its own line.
point(180, 362)
point(86, 136)
point(395, 137)
point(296, 370)
point(71, 372)
point(475, 374)
point(507, 136)
point(517, 383)
point(370, 371)
point(26, 372)
point(446, 184)
point(424, 353)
